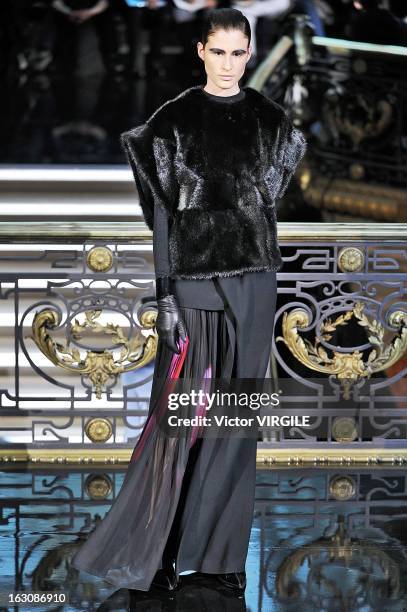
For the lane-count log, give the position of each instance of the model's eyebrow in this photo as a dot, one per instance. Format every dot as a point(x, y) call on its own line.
point(222, 50)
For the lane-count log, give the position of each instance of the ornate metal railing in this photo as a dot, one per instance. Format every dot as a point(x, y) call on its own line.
point(309, 527)
point(350, 99)
point(78, 342)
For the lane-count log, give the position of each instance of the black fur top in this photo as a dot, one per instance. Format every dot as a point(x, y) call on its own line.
point(216, 165)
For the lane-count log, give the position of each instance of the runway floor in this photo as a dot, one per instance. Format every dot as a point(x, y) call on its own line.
point(322, 539)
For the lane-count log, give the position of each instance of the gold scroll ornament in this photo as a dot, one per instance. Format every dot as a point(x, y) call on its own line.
point(98, 366)
point(340, 547)
point(347, 367)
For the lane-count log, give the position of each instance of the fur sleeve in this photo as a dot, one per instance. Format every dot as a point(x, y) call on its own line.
point(151, 159)
point(294, 150)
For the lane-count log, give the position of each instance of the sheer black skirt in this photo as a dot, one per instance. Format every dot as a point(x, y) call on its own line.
point(187, 497)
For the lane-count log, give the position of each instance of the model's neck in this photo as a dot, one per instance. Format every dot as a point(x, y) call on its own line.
point(223, 100)
point(218, 91)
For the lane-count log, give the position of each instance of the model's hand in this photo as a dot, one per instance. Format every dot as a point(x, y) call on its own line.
point(169, 324)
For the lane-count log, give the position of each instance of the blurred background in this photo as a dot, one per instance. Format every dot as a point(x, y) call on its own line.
point(75, 73)
point(77, 293)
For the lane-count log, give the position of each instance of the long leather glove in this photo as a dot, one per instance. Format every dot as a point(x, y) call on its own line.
point(169, 324)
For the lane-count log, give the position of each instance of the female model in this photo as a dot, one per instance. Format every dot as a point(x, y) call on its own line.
point(208, 166)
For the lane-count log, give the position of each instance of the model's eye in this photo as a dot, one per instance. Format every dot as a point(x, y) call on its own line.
point(235, 53)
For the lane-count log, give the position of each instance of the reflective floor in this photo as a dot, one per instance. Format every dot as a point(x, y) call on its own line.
point(321, 539)
point(66, 116)
point(55, 119)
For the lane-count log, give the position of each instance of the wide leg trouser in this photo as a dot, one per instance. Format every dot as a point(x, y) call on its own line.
point(211, 529)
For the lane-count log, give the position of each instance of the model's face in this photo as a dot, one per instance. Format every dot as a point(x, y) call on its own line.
point(225, 56)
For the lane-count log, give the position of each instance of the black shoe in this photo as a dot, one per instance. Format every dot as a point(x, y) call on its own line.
point(166, 578)
point(236, 580)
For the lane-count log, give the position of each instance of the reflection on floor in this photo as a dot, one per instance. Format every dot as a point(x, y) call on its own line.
point(321, 539)
point(57, 118)
point(53, 119)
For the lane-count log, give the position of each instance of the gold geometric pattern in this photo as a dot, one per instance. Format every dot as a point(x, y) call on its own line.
point(342, 487)
point(100, 259)
point(344, 429)
point(98, 430)
point(266, 457)
point(98, 486)
point(351, 259)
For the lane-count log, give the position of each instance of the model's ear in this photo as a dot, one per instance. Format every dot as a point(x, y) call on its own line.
point(151, 159)
point(201, 50)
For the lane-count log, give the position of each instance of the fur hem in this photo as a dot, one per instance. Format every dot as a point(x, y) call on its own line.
point(225, 274)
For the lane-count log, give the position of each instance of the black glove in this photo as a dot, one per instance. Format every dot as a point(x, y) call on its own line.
point(169, 324)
